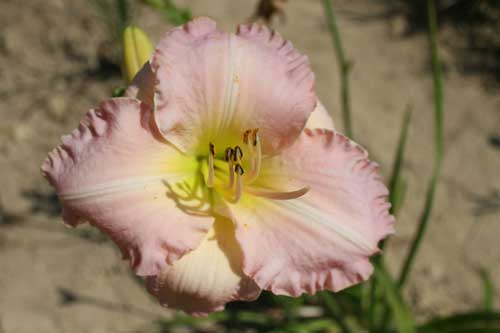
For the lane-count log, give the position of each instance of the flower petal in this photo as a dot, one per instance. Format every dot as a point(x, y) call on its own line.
point(212, 86)
point(320, 118)
point(323, 239)
point(207, 278)
point(142, 86)
point(115, 172)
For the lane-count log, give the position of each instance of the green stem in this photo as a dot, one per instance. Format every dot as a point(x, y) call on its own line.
point(438, 143)
point(343, 64)
point(123, 9)
point(438, 156)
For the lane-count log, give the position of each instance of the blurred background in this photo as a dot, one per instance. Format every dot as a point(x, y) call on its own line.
point(60, 58)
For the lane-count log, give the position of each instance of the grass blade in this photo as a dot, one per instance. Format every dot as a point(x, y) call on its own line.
point(172, 13)
point(438, 146)
point(488, 290)
point(334, 311)
point(467, 322)
point(397, 190)
point(397, 184)
point(402, 315)
point(463, 330)
point(315, 325)
point(343, 64)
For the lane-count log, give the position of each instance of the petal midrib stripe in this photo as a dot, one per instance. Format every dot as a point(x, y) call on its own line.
point(121, 185)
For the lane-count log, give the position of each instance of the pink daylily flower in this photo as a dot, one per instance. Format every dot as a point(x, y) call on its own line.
point(220, 174)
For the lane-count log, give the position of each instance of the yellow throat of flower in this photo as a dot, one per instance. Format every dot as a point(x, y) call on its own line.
point(235, 171)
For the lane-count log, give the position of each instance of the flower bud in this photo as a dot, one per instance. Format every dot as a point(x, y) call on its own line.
point(137, 49)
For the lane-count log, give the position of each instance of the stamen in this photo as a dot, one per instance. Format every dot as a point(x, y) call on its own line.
point(245, 136)
point(256, 158)
point(229, 154)
point(255, 136)
point(211, 155)
point(212, 148)
point(237, 154)
point(238, 170)
point(229, 159)
point(278, 195)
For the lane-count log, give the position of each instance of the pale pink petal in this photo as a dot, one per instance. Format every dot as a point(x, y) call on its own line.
point(204, 280)
point(323, 239)
point(142, 86)
point(116, 173)
point(320, 118)
point(212, 86)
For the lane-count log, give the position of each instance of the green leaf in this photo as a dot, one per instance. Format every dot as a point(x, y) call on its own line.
point(402, 316)
point(288, 304)
point(488, 322)
point(398, 193)
point(118, 92)
point(314, 325)
point(252, 317)
point(488, 290)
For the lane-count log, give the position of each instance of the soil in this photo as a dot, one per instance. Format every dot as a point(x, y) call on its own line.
point(54, 279)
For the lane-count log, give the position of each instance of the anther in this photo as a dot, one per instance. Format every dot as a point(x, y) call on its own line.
point(239, 169)
point(228, 153)
point(211, 155)
point(250, 148)
point(212, 148)
point(238, 154)
point(256, 156)
point(255, 136)
point(245, 136)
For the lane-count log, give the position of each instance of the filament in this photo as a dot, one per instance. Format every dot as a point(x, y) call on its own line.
point(229, 159)
point(238, 188)
point(250, 148)
point(276, 195)
point(233, 157)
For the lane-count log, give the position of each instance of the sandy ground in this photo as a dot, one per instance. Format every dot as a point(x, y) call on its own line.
point(48, 81)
